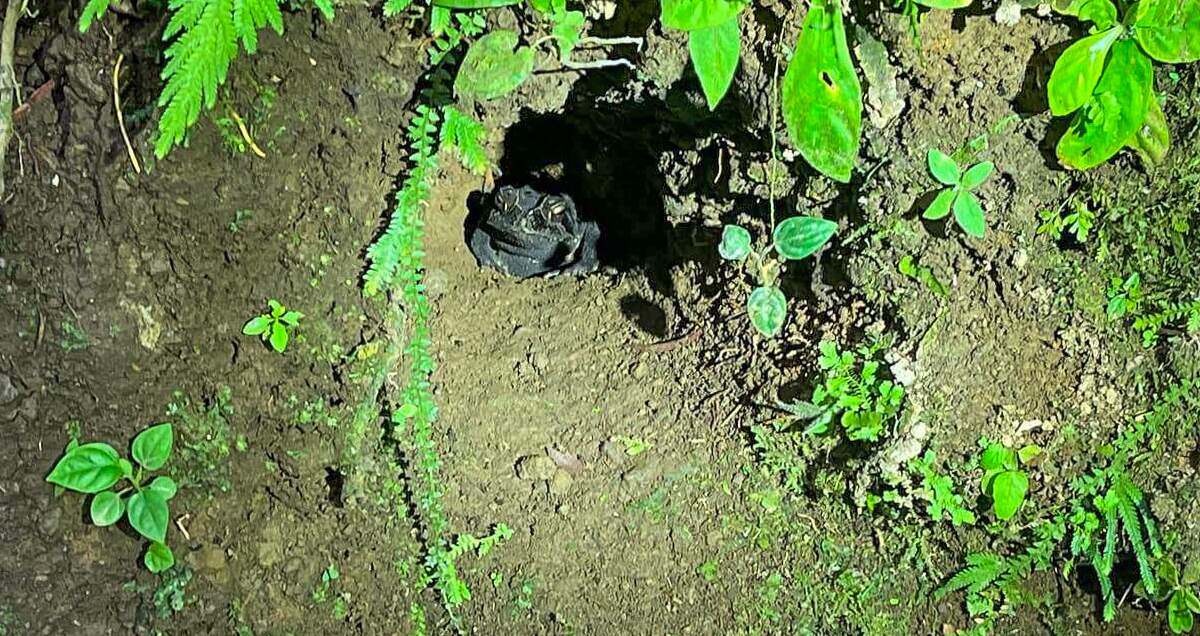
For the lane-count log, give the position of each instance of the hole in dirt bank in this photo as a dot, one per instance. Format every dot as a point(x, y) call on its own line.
point(335, 481)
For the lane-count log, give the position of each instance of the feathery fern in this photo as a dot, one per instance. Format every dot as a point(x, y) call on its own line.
point(462, 133)
point(982, 570)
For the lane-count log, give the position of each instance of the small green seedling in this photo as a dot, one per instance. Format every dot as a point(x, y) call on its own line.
point(97, 468)
point(274, 326)
point(1124, 296)
point(1003, 479)
point(852, 394)
point(1178, 592)
point(794, 239)
point(958, 197)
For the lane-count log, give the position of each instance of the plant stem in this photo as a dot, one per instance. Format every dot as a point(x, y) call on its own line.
point(8, 80)
point(774, 163)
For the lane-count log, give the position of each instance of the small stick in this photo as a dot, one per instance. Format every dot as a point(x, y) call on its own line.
point(116, 79)
point(183, 530)
point(246, 134)
point(41, 93)
point(668, 345)
point(587, 66)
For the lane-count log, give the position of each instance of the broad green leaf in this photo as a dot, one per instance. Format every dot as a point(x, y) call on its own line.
point(1008, 493)
point(152, 447)
point(940, 207)
point(1115, 112)
point(147, 511)
point(735, 243)
point(257, 326)
point(977, 174)
point(1078, 70)
point(1028, 452)
point(473, 4)
point(693, 15)
point(159, 558)
point(822, 98)
point(799, 237)
point(164, 486)
point(997, 457)
point(107, 508)
point(1179, 615)
point(291, 318)
point(494, 66)
point(89, 469)
point(1169, 30)
point(279, 337)
point(767, 307)
point(943, 168)
point(715, 52)
point(568, 28)
point(1153, 139)
point(1102, 13)
point(968, 213)
point(945, 4)
point(1190, 599)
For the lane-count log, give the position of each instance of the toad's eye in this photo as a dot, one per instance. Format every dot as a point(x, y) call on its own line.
point(557, 208)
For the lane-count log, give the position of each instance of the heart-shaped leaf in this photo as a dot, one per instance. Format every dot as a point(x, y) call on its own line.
point(152, 447)
point(89, 468)
point(735, 243)
point(164, 486)
point(159, 558)
point(715, 52)
point(148, 514)
point(943, 168)
point(767, 307)
point(822, 97)
point(494, 66)
point(799, 237)
point(107, 508)
point(1008, 493)
point(693, 15)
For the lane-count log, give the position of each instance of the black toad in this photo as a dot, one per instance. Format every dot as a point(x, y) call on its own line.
point(525, 233)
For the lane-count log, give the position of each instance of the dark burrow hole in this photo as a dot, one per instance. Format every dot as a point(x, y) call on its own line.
point(335, 481)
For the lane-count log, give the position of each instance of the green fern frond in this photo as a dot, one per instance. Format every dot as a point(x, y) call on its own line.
point(92, 11)
point(464, 134)
point(983, 569)
point(1129, 503)
point(399, 244)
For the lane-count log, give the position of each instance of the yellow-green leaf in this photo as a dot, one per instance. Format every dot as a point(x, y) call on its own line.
point(715, 52)
point(494, 66)
point(1169, 30)
point(1078, 70)
point(693, 15)
point(1115, 112)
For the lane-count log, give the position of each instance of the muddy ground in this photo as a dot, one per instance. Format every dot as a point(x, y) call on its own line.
point(124, 295)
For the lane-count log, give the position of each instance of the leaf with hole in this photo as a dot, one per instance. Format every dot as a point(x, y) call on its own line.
point(693, 15)
point(152, 447)
point(799, 237)
point(767, 307)
point(822, 97)
point(735, 243)
point(107, 508)
point(1078, 70)
point(715, 52)
point(89, 468)
point(494, 66)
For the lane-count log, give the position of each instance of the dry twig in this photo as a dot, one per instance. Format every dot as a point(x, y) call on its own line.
point(116, 82)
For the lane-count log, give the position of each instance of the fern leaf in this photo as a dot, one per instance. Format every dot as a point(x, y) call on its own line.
point(92, 11)
point(1128, 498)
point(393, 7)
point(983, 569)
point(464, 134)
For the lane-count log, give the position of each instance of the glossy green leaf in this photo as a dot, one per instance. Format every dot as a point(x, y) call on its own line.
point(107, 508)
point(943, 168)
point(1179, 615)
point(473, 4)
point(152, 447)
point(767, 307)
point(822, 97)
point(164, 486)
point(997, 457)
point(940, 208)
point(1078, 70)
point(799, 237)
point(715, 52)
point(279, 337)
point(148, 514)
point(89, 468)
point(494, 66)
point(735, 243)
point(693, 15)
point(1114, 114)
point(968, 213)
point(1153, 139)
point(567, 31)
point(159, 558)
point(1169, 30)
point(1028, 452)
point(1103, 13)
point(945, 4)
point(1008, 493)
point(977, 174)
point(257, 326)
point(291, 318)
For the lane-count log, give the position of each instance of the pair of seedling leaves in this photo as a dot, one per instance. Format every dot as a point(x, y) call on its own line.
point(794, 239)
point(97, 469)
point(1107, 78)
point(496, 64)
point(1003, 479)
point(1177, 590)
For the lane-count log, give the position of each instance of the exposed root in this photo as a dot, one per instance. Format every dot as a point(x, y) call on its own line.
point(116, 83)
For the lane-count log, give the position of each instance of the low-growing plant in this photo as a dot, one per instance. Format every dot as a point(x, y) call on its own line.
point(275, 326)
point(922, 274)
point(1107, 78)
point(1078, 221)
point(794, 239)
point(98, 469)
point(1178, 591)
point(1004, 481)
point(1124, 296)
point(938, 491)
point(958, 196)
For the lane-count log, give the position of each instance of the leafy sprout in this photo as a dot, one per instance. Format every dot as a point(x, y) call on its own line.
point(274, 327)
point(958, 196)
